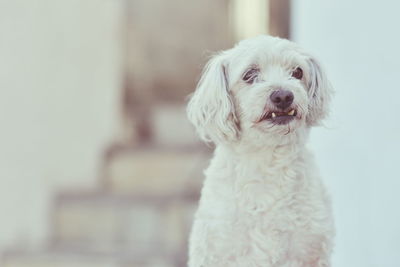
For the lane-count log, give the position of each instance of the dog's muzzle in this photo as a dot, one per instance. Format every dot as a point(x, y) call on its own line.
point(282, 113)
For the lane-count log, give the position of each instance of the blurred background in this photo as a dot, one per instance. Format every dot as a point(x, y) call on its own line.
point(98, 164)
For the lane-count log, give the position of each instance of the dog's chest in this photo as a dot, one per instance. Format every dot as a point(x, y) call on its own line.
point(262, 191)
point(248, 191)
point(270, 211)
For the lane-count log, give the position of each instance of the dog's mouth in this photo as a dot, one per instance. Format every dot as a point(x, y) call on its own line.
point(279, 117)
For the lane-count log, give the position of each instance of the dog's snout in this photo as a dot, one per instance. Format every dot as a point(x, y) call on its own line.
point(282, 98)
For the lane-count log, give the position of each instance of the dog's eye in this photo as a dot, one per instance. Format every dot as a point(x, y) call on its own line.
point(250, 75)
point(297, 73)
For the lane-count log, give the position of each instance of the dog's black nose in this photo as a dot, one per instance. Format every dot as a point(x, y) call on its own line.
point(282, 98)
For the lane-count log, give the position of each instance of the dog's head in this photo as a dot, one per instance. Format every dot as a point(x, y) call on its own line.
point(262, 87)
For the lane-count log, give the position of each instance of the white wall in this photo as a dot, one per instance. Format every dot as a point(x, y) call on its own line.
point(359, 43)
point(60, 65)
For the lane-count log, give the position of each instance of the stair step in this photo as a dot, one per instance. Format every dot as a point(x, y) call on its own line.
point(171, 128)
point(132, 225)
point(42, 259)
point(54, 258)
point(156, 171)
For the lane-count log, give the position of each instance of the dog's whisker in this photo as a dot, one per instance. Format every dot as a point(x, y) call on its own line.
point(288, 131)
point(272, 126)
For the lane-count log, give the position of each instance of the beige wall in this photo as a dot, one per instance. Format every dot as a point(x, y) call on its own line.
point(60, 68)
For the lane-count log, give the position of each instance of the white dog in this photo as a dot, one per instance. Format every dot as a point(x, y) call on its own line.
point(263, 203)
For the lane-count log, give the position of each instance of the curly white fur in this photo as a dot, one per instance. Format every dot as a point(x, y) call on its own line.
point(262, 203)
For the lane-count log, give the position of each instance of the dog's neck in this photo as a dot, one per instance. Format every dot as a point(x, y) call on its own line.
point(268, 150)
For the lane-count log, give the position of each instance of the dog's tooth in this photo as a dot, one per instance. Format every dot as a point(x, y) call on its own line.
point(273, 115)
point(291, 113)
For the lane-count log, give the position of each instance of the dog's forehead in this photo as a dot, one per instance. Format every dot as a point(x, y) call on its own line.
point(265, 50)
point(262, 52)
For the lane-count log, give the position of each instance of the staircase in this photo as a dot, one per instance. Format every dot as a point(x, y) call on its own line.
point(139, 215)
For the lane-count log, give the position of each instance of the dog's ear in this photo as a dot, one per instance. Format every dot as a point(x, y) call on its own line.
point(211, 108)
point(320, 92)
